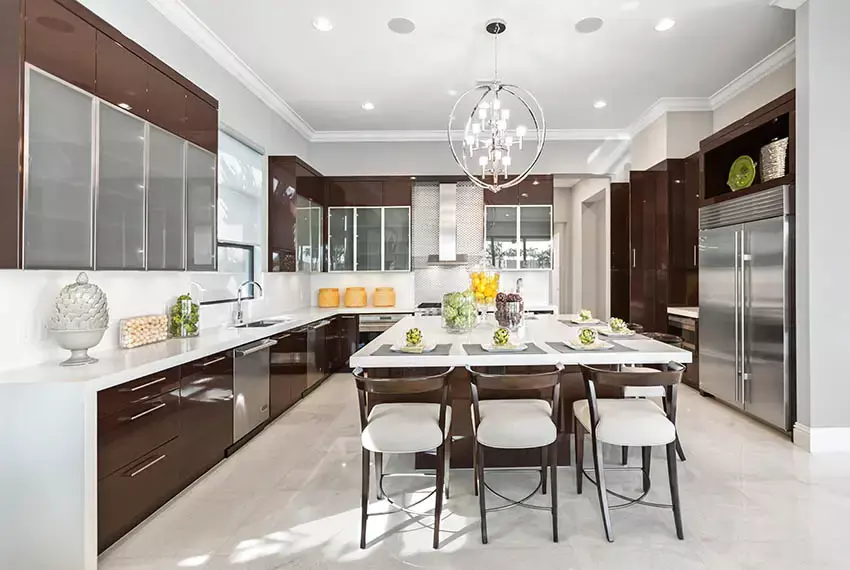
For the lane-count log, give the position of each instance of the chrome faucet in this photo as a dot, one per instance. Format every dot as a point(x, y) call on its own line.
point(238, 317)
point(519, 286)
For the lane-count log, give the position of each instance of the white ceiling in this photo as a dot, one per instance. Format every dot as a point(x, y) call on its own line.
point(325, 77)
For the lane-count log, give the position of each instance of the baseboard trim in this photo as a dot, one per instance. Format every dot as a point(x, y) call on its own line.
point(822, 440)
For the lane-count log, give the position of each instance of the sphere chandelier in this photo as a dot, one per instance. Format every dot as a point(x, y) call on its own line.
point(485, 153)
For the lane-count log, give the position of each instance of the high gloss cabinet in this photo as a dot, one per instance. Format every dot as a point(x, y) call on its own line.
point(369, 239)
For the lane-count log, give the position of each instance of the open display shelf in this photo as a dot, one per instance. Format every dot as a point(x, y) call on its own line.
point(746, 137)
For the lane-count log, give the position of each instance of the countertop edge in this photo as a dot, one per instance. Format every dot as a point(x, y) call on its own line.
point(687, 312)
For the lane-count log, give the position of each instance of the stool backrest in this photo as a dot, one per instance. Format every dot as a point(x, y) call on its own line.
point(367, 386)
point(598, 376)
point(536, 381)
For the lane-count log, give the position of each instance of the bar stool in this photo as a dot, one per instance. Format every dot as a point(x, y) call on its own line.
point(517, 423)
point(403, 428)
point(628, 422)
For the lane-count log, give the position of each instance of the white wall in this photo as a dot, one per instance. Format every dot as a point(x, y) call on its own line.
point(589, 190)
point(649, 146)
point(774, 85)
point(389, 158)
point(29, 294)
point(685, 130)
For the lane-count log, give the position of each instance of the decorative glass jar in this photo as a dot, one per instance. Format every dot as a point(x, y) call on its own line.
point(510, 310)
point(184, 318)
point(459, 311)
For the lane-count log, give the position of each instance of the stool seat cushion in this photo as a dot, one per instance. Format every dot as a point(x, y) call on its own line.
point(628, 422)
point(405, 428)
point(515, 424)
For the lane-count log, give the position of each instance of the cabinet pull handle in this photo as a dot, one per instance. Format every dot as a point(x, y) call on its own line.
point(634, 258)
point(147, 466)
point(265, 345)
point(281, 337)
point(143, 414)
point(695, 256)
point(348, 317)
point(145, 385)
point(320, 325)
point(213, 361)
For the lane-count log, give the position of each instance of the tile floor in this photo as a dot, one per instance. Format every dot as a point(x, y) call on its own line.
point(290, 499)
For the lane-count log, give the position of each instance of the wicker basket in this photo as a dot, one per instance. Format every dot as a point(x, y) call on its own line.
point(773, 159)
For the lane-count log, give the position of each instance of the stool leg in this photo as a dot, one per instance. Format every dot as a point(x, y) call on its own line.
point(553, 465)
point(625, 457)
point(599, 468)
point(578, 432)
point(364, 497)
point(441, 478)
point(481, 492)
point(475, 465)
point(679, 451)
point(379, 475)
point(448, 466)
point(544, 465)
point(646, 458)
point(674, 489)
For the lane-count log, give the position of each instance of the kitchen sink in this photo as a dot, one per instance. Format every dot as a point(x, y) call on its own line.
point(262, 324)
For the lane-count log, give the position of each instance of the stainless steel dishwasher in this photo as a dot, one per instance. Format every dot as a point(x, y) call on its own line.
point(250, 387)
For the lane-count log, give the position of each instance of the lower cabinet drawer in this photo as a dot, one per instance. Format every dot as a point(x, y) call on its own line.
point(131, 494)
point(124, 437)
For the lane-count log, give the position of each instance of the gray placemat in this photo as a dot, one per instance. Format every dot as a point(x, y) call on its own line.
point(564, 349)
point(476, 350)
point(572, 324)
point(386, 350)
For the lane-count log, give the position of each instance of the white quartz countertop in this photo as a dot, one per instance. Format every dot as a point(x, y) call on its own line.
point(543, 329)
point(117, 366)
point(689, 312)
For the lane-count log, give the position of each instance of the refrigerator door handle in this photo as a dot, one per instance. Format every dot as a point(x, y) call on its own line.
point(737, 313)
point(742, 319)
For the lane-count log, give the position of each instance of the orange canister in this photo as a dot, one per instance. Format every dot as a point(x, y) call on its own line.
point(384, 297)
point(355, 297)
point(328, 298)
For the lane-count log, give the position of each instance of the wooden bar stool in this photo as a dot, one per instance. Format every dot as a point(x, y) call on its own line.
point(628, 422)
point(403, 428)
point(517, 423)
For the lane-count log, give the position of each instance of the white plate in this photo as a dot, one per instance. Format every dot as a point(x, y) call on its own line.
point(427, 347)
point(598, 345)
point(577, 321)
point(505, 348)
point(615, 334)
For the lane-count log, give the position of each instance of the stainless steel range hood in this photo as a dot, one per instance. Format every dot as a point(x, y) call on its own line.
point(448, 255)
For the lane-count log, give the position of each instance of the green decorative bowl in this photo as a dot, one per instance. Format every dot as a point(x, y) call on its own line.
point(742, 174)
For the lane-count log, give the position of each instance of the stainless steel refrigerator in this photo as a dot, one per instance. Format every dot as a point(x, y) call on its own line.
point(746, 300)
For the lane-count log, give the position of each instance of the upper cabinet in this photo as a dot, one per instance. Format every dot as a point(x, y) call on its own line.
point(534, 190)
point(60, 43)
point(518, 237)
point(166, 201)
point(122, 76)
point(201, 123)
point(282, 216)
point(398, 191)
point(58, 175)
point(201, 199)
point(369, 191)
point(166, 103)
point(369, 239)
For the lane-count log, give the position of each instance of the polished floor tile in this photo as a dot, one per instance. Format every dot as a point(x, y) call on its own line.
point(290, 500)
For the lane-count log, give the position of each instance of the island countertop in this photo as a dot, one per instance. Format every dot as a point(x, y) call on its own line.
point(540, 331)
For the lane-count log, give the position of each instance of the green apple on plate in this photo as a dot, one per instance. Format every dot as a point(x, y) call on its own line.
point(587, 336)
point(585, 315)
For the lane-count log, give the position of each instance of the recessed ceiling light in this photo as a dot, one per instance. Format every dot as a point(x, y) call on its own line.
point(125, 106)
point(413, 178)
point(630, 6)
point(323, 24)
point(665, 24)
point(368, 106)
point(401, 25)
point(601, 104)
point(536, 182)
point(589, 25)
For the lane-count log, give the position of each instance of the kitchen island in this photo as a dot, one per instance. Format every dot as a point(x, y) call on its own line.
point(539, 331)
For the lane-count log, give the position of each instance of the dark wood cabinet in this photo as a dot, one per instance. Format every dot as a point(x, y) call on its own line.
point(397, 191)
point(348, 334)
point(355, 192)
point(317, 352)
point(504, 197)
point(536, 190)
point(11, 130)
point(282, 216)
point(201, 123)
point(166, 102)
point(206, 413)
point(60, 43)
point(122, 76)
point(620, 250)
point(287, 371)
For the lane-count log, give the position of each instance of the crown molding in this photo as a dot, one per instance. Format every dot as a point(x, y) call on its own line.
point(186, 20)
point(787, 4)
point(433, 136)
point(668, 105)
point(781, 57)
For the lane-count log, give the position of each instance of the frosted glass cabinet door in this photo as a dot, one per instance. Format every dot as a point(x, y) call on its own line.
point(59, 183)
point(341, 239)
point(316, 215)
point(120, 202)
point(166, 201)
point(369, 239)
point(397, 239)
point(201, 212)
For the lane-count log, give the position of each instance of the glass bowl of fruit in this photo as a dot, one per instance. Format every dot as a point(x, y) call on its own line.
point(485, 286)
point(510, 310)
point(459, 311)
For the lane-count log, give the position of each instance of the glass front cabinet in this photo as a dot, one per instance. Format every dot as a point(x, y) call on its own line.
point(369, 239)
point(308, 235)
point(519, 237)
point(104, 189)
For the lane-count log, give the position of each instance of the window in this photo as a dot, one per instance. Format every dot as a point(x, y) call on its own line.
point(240, 220)
point(519, 237)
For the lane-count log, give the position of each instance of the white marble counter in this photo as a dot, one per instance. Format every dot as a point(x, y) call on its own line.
point(543, 329)
point(687, 312)
point(118, 366)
